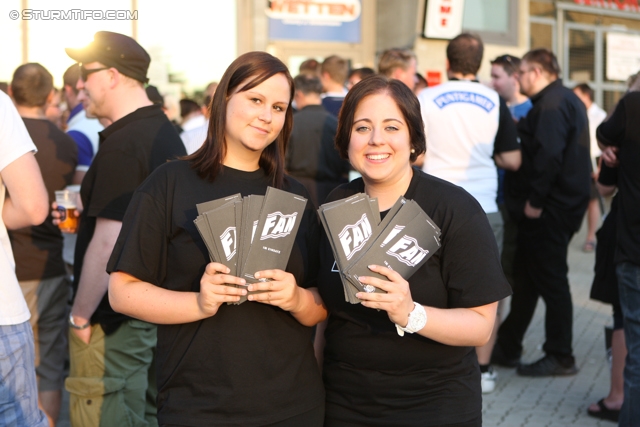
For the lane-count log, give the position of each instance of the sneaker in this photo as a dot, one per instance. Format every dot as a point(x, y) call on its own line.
point(498, 357)
point(548, 366)
point(488, 381)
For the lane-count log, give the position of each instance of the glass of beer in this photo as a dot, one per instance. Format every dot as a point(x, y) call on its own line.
point(67, 206)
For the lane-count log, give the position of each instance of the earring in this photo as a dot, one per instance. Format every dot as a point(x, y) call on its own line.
point(413, 151)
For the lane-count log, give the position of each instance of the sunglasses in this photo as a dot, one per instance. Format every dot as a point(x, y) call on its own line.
point(85, 72)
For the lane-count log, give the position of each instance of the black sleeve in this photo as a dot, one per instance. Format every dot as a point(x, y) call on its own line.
point(507, 135)
point(611, 131)
point(141, 248)
point(117, 182)
point(608, 176)
point(549, 143)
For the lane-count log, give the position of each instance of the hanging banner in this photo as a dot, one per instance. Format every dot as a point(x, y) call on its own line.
point(623, 55)
point(443, 19)
point(315, 20)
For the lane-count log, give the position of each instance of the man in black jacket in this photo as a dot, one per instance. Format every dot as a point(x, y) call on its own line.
point(548, 197)
point(311, 154)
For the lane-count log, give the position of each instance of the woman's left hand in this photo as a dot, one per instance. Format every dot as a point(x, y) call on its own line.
point(397, 302)
point(281, 290)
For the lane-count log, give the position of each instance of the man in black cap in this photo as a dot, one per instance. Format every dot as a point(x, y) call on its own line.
point(112, 354)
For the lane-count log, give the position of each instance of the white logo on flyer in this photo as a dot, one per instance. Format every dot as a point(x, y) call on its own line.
point(278, 225)
point(353, 237)
point(228, 240)
point(393, 233)
point(407, 250)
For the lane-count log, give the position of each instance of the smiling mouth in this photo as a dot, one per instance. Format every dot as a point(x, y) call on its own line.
point(377, 156)
point(260, 130)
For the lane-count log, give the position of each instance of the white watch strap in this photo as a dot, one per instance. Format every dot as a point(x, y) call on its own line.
point(417, 320)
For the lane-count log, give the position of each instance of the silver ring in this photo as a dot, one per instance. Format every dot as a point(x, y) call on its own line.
point(369, 288)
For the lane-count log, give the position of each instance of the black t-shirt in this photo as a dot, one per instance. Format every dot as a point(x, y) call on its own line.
point(622, 130)
point(38, 250)
point(130, 149)
point(373, 376)
point(250, 364)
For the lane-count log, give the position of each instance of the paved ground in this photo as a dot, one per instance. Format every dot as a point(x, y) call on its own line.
point(549, 402)
point(560, 401)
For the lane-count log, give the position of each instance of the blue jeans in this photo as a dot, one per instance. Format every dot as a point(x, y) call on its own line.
point(629, 286)
point(18, 392)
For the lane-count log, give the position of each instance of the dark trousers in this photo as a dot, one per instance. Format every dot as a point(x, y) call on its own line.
point(540, 270)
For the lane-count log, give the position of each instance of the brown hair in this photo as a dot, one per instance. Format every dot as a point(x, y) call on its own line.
point(255, 68)
point(395, 58)
point(31, 85)
point(545, 59)
point(585, 89)
point(308, 83)
point(509, 63)
point(464, 53)
point(336, 67)
point(71, 77)
point(404, 98)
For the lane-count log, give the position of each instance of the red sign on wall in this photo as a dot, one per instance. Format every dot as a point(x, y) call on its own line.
point(626, 5)
point(434, 78)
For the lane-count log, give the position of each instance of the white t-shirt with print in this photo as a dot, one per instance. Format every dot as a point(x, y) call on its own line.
point(14, 143)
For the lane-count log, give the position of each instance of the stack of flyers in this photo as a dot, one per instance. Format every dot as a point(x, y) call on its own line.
point(228, 227)
point(402, 242)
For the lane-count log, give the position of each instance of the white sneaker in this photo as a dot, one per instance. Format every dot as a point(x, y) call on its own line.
point(488, 381)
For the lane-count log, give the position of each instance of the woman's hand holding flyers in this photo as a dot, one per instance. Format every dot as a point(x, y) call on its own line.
point(397, 301)
point(280, 289)
point(215, 288)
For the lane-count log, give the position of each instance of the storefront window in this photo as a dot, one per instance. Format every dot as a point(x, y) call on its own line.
point(494, 20)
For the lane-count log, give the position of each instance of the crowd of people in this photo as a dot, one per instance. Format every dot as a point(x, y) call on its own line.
point(147, 322)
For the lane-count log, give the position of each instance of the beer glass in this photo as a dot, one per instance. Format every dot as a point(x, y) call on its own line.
point(67, 206)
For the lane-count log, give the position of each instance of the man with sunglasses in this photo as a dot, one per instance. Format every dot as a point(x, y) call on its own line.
point(112, 354)
point(548, 197)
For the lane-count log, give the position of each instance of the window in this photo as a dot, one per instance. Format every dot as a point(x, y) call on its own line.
point(495, 21)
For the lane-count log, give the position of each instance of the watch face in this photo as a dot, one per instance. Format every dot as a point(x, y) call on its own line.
point(417, 319)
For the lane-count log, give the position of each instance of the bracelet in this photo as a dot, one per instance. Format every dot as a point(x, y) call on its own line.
point(79, 327)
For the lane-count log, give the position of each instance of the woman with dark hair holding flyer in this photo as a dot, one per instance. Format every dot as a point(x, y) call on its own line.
point(406, 357)
point(217, 364)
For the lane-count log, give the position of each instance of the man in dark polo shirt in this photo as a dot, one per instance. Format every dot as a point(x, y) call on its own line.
point(38, 249)
point(116, 366)
point(548, 197)
point(311, 154)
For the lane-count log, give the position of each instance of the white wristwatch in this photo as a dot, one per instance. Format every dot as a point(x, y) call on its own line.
point(417, 320)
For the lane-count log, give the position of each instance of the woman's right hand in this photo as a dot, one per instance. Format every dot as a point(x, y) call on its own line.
point(215, 289)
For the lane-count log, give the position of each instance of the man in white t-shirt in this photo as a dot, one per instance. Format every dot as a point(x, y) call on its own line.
point(26, 204)
point(596, 115)
point(469, 131)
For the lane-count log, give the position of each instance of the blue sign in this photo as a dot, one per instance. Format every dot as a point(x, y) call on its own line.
point(315, 20)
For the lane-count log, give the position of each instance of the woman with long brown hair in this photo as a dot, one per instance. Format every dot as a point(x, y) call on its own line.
point(250, 364)
point(405, 356)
